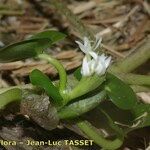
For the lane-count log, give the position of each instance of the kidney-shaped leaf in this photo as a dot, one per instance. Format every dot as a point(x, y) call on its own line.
point(120, 93)
point(39, 79)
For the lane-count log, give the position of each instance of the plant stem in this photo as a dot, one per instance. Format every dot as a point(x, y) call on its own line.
point(80, 107)
point(60, 69)
point(87, 128)
point(134, 60)
point(134, 78)
point(137, 88)
point(85, 85)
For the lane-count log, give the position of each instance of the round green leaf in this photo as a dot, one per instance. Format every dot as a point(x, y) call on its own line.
point(120, 93)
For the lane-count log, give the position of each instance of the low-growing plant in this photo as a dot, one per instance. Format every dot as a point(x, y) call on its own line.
point(94, 92)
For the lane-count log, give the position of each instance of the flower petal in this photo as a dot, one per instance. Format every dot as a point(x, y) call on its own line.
point(97, 43)
point(107, 62)
point(102, 57)
point(93, 54)
point(87, 44)
point(102, 64)
point(92, 64)
point(85, 71)
point(99, 69)
point(81, 46)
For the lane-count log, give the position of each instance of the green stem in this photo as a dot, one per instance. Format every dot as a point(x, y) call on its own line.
point(134, 60)
point(137, 88)
point(80, 107)
point(134, 78)
point(85, 85)
point(60, 69)
point(87, 128)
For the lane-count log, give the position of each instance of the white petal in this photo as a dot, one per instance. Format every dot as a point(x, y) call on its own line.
point(87, 44)
point(81, 46)
point(86, 41)
point(97, 43)
point(103, 71)
point(99, 69)
point(102, 57)
point(101, 66)
point(93, 54)
point(92, 66)
point(85, 71)
point(99, 60)
point(107, 62)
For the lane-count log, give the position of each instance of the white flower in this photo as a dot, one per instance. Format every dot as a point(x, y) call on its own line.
point(92, 62)
point(97, 66)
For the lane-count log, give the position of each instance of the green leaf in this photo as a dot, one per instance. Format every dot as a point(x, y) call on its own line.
point(80, 107)
point(23, 50)
point(10, 96)
point(39, 79)
point(31, 47)
point(120, 93)
point(78, 74)
point(53, 36)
